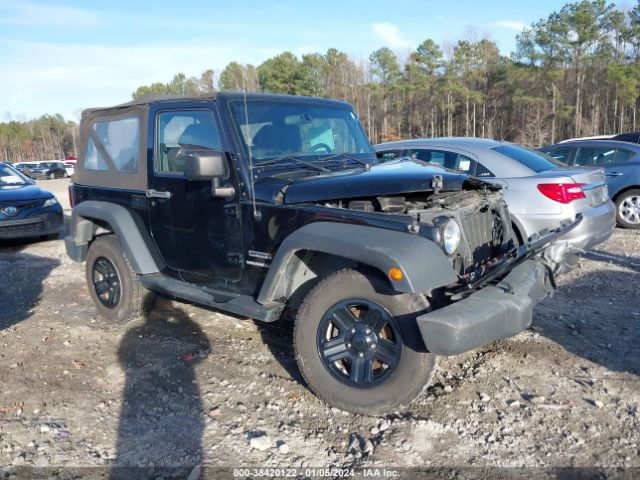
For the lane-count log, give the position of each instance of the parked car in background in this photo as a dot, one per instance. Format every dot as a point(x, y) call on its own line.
point(621, 162)
point(70, 167)
point(25, 167)
point(541, 192)
point(49, 170)
point(592, 137)
point(633, 137)
point(26, 210)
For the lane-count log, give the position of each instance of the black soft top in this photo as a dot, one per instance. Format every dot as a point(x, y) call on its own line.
point(146, 100)
point(137, 179)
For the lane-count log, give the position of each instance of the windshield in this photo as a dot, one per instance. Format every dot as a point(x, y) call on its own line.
point(11, 177)
point(536, 161)
point(301, 134)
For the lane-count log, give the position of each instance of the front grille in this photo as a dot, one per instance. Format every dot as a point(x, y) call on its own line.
point(485, 233)
point(30, 226)
point(22, 204)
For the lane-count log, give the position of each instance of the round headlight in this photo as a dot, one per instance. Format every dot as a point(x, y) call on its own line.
point(451, 236)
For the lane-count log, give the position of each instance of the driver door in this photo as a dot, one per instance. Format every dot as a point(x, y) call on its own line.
point(197, 234)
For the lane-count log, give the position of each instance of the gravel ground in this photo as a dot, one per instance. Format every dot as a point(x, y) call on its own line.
point(188, 386)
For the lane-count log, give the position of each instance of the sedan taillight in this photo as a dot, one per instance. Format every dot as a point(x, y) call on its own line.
point(562, 192)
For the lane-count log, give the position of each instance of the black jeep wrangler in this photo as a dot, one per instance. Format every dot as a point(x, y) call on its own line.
point(253, 203)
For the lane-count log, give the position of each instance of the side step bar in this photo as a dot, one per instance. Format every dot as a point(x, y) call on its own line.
point(243, 305)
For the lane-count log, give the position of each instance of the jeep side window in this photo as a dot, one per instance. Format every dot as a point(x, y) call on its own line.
point(93, 158)
point(121, 140)
point(181, 130)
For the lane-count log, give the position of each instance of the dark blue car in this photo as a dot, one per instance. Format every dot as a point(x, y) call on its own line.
point(621, 161)
point(25, 209)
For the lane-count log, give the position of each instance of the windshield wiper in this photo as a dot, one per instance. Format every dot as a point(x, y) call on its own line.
point(343, 154)
point(291, 156)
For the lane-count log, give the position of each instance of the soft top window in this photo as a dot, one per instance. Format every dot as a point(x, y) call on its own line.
point(181, 130)
point(536, 161)
point(121, 139)
point(93, 158)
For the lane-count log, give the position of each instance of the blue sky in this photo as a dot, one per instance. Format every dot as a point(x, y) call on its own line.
point(63, 56)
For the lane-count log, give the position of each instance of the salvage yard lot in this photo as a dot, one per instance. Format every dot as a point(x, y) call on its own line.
point(187, 384)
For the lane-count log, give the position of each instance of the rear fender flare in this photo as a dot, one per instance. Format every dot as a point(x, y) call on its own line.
point(131, 234)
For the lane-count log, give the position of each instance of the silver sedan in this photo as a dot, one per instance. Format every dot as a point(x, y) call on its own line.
point(540, 191)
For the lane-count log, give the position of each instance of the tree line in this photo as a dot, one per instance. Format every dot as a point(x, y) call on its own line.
point(574, 73)
point(49, 137)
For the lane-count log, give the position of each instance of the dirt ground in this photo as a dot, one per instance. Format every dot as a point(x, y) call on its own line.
point(187, 386)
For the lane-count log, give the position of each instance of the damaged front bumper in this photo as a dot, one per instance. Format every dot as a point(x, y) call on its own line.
point(498, 308)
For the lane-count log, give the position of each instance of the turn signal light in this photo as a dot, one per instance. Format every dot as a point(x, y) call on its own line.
point(395, 274)
point(562, 192)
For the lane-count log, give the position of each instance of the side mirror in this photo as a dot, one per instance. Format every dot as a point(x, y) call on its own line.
point(204, 165)
point(208, 165)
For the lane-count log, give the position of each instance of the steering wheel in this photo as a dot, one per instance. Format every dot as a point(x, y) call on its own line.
point(319, 146)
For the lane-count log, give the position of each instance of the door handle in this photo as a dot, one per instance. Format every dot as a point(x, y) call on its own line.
point(156, 194)
point(614, 174)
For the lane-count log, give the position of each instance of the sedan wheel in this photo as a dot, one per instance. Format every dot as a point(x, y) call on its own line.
point(628, 209)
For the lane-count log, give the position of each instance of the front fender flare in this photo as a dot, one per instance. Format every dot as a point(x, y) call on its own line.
point(423, 263)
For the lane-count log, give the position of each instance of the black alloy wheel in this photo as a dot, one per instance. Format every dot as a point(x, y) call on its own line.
point(106, 282)
point(359, 343)
point(114, 286)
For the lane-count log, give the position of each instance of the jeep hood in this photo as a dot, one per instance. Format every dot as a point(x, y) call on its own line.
point(389, 178)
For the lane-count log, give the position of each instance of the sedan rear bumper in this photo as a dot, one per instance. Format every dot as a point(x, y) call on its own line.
point(489, 314)
point(597, 225)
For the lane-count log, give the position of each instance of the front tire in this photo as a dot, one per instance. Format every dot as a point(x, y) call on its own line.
point(628, 209)
point(113, 285)
point(358, 346)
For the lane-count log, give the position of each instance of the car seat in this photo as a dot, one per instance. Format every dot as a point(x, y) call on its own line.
point(274, 140)
point(195, 136)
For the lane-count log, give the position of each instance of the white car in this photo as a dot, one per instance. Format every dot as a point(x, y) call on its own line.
point(70, 167)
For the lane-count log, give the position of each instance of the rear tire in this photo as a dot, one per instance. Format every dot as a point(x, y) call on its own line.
point(628, 209)
point(396, 368)
point(113, 285)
